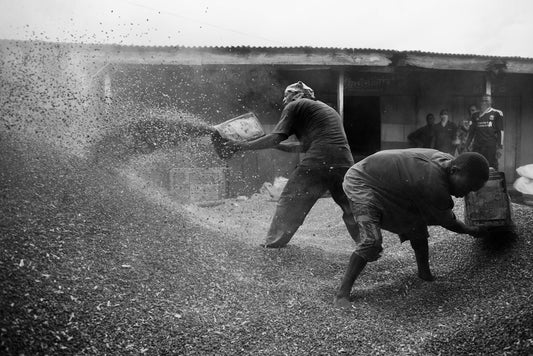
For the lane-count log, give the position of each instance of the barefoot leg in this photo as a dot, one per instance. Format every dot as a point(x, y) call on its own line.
point(357, 264)
point(420, 246)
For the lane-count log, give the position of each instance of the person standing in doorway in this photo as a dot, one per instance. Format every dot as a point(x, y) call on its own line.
point(321, 136)
point(424, 136)
point(445, 134)
point(474, 112)
point(464, 128)
point(487, 132)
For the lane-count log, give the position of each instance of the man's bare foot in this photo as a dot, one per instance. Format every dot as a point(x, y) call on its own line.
point(342, 302)
point(426, 276)
point(265, 245)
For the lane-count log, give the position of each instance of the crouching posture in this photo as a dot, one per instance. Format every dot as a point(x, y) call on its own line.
point(404, 191)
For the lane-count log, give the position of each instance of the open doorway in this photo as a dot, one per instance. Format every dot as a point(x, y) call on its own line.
point(362, 123)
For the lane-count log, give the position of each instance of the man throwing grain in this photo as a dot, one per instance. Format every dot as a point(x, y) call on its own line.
point(321, 136)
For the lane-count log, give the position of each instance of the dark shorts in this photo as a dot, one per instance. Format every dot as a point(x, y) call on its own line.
point(368, 216)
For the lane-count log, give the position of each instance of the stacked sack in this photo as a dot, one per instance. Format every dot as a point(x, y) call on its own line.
point(524, 184)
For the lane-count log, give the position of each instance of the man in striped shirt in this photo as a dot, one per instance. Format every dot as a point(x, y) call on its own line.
point(486, 131)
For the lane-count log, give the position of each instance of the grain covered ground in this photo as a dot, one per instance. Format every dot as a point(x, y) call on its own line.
point(96, 261)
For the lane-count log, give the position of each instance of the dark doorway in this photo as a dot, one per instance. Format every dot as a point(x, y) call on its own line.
point(362, 124)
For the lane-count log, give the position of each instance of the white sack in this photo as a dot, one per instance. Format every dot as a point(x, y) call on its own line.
point(525, 171)
point(524, 185)
point(274, 190)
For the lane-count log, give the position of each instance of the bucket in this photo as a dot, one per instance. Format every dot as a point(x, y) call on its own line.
point(241, 128)
point(490, 206)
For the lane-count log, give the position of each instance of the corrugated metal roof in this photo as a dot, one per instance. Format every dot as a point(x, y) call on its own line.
point(465, 55)
point(277, 49)
point(323, 49)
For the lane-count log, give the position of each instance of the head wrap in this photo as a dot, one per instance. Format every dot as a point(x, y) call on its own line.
point(300, 87)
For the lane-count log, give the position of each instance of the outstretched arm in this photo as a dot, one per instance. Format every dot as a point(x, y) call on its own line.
point(290, 147)
point(267, 141)
point(462, 228)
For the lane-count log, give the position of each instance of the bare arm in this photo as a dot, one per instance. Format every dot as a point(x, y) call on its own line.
point(290, 147)
point(499, 129)
point(461, 228)
point(267, 141)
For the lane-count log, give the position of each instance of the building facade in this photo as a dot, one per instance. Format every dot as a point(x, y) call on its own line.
point(381, 95)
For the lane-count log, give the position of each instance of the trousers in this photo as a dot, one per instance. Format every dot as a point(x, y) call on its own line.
point(489, 152)
point(305, 186)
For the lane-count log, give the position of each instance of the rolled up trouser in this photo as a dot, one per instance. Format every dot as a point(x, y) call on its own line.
point(370, 242)
point(368, 217)
point(338, 195)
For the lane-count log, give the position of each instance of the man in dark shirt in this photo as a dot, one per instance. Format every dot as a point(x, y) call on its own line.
point(486, 131)
point(445, 134)
point(321, 136)
point(424, 136)
point(405, 191)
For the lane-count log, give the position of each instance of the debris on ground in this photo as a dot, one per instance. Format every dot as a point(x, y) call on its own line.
point(92, 264)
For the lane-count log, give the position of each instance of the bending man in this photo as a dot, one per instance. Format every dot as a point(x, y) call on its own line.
point(404, 191)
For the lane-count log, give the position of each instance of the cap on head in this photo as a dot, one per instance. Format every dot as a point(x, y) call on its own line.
point(300, 87)
point(444, 112)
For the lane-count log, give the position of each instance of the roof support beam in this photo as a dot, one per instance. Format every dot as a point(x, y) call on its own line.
point(488, 85)
point(340, 95)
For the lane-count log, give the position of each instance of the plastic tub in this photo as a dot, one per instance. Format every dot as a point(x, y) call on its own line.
point(241, 128)
point(490, 206)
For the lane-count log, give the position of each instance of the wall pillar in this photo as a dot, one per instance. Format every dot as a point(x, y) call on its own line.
point(488, 85)
point(340, 94)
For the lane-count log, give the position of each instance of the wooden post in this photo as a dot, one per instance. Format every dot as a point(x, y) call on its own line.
point(488, 85)
point(340, 95)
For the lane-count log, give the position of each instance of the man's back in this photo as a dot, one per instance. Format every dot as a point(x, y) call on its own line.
point(409, 185)
point(319, 128)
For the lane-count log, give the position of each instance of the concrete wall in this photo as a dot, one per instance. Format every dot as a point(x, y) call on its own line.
point(69, 95)
point(215, 94)
point(525, 136)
